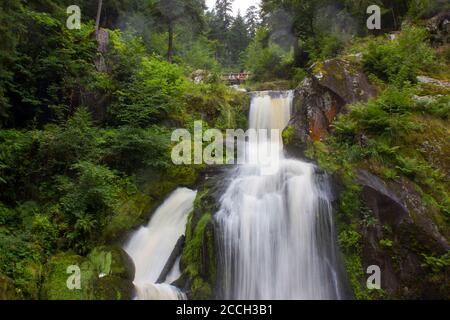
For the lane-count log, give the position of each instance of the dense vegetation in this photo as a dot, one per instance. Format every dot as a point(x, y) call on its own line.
point(85, 132)
point(85, 151)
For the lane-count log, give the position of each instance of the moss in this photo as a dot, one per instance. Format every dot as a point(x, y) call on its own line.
point(386, 243)
point(112, 261)
point(272, 85)
point(55, 287)
point(7, 289)
point(128, 215)
point(198, 259)
point(113, 288)
point(104, 275)
point(288, 134)
point(319, 68)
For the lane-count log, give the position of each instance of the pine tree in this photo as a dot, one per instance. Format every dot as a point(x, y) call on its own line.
point(252, 20)
point(238, 39)
point(173, 11)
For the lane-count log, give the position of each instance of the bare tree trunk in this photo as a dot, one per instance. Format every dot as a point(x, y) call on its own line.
point(170, 47)
point(99, 14)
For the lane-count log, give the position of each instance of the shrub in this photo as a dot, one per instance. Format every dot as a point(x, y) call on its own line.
point(154, 93)
point(399, 61)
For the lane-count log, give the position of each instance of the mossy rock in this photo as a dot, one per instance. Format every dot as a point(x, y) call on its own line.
point(112, 261)
point(106, 274)
point(55, 287)
point(7, 289)
point(128, 216)
point(198, 260)
point(113, 288)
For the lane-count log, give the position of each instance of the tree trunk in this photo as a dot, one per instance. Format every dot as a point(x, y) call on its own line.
point(170, 47)
point(99, 14)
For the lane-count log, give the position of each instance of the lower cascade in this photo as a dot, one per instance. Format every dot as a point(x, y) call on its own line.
point(275, 231)
point(151, 247)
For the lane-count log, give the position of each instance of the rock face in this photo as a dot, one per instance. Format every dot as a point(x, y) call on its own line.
point(106, 274)
point(401, 230)
point(324, 94)
point(200, 76)
point(439, 29)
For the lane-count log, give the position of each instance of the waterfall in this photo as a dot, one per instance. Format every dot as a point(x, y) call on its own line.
point(151, 246)
point(275, 231)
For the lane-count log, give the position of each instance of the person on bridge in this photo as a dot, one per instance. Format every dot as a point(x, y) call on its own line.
point(241, 76)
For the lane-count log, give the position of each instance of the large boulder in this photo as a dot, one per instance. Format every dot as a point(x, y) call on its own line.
point(106, 274)
point(54, 286)
point(397, 233)
point(439, 28)
point(331, 85)
point(112, 261)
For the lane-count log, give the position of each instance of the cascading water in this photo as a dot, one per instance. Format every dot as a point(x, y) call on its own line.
point(150, 247)
point(275, 231)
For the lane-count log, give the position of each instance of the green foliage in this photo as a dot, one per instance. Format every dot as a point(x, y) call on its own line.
point(327, 46)
point(267, 62)
point(400, 60)
point(154, 93)
point(20, 260)
point(129, 149)
point(88, 202)
point(288, 134)
point(349, 239)
point(386, 243)
point(200, 55)
point(437, 264)
point(388, 115)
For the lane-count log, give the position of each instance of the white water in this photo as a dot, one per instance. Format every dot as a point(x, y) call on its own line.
point(150, 247)
point(276, 236)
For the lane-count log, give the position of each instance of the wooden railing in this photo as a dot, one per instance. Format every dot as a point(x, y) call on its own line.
point(235, 78)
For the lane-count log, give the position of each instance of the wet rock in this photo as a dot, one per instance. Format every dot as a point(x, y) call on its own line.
point(397, 207)
point(428, 80)
point(323, 95)
point(113, 288)
point(344, 78)
point(384, 204)
point(172, 259)
point(106, 274)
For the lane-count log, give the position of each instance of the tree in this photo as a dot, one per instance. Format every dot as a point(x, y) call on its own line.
point(172, 12)
point(238, 38)
point(224, 9)
point(252, 20)
point(220, 20)
point(99, 14)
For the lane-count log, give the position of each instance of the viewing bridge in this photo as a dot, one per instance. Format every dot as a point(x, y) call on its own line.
point(235, 78)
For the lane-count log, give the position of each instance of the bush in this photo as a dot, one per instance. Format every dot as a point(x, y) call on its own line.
point(400, 61)
point(387, 115)
point(88, 202)
point(267, 62)
point(154, 93)
point(129, 149)
point(325, 47)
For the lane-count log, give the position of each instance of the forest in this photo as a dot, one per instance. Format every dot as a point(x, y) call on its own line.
point(86, 117)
